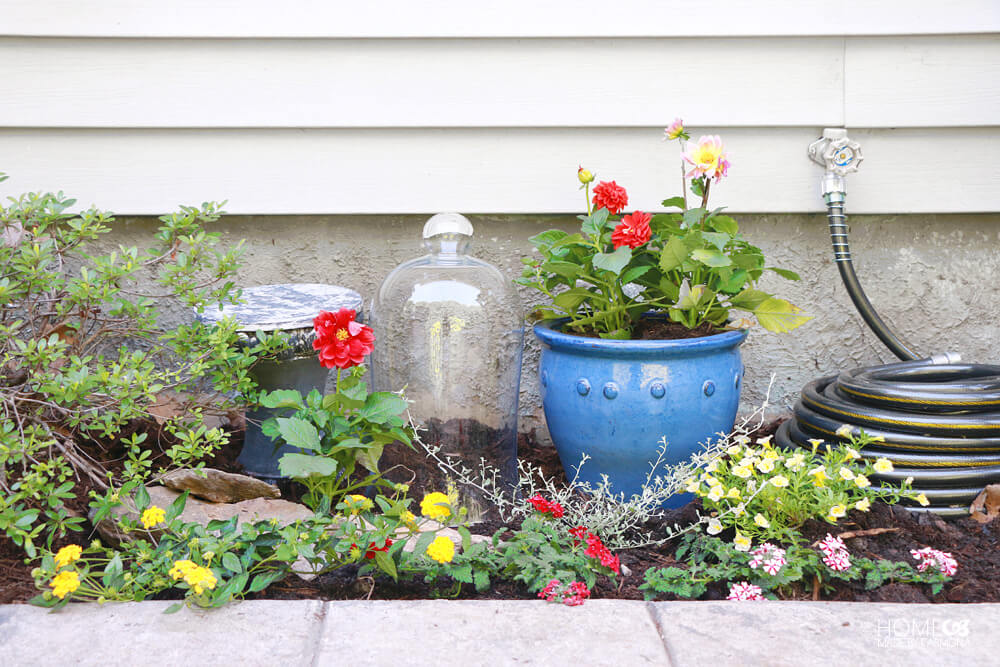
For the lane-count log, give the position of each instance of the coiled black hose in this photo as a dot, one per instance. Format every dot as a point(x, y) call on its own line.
point(940, 421)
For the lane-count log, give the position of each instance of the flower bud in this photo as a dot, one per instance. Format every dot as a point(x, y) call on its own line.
point(584, 175)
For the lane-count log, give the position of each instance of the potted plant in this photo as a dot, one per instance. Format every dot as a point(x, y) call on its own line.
point(638, 340)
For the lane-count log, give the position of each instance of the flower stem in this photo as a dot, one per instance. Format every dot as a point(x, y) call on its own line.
point(684, 182)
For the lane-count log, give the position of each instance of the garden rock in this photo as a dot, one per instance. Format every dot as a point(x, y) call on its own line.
point(218, 486)
point(201, 511)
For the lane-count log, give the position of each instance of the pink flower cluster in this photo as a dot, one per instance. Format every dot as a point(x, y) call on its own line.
point(835, 553)
point(595, 548)
point(744, 591)
point(942, 560)
point(768, 556)
point(543, 506)
point(572, 596)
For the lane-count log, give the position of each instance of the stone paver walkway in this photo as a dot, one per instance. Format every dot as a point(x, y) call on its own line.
point(440, 632)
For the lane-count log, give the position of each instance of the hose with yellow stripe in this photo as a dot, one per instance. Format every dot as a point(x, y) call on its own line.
point(940, 419)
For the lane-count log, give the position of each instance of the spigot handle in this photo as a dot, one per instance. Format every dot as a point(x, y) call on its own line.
point(836, 152)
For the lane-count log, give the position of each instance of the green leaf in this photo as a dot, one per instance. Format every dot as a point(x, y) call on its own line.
point(545, 240)
point(263, 580)
point(634, 272)
point(749, 299)
point(724, 224)
point(711, 257)
point(174, 608)
point(673, 202)
point(298, 433)
point(481, 580)
point(282, 398)
point(571, 299)
point(733, 281)
point(385, 563)
point(305, 465)
point(141, 498)
point(779, 315)
point(784, 273)
point(567, 270)
point(383, 406)
point(613, 261)
point(355, 392)
point(617, 334)
point(718, 239)
point(424, 541)
point(693, 216)
point(231, 563)
point(674, 254)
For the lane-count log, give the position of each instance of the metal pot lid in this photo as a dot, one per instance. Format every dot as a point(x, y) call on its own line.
point(284, 307)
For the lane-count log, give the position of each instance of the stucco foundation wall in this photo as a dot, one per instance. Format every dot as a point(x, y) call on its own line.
point(933, 278)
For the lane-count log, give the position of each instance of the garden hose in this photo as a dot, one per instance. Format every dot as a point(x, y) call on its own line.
point(936, 420)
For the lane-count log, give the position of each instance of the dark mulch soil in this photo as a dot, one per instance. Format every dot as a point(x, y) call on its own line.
point(975, 547)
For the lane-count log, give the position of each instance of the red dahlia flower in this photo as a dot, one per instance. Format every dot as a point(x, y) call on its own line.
point(341, 341)
point(610, 196)
point(632, 231)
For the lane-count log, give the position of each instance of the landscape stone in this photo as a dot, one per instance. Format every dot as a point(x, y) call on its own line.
point(218, 486)
point(201, 511)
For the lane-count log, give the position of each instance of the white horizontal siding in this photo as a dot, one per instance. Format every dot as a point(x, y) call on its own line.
point(419, 83)
point(289, 171)
point(922, 81)
point(511, 18)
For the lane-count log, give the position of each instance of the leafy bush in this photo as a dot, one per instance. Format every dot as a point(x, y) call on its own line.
point(84, 355)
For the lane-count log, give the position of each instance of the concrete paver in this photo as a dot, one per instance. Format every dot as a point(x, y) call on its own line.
point(475, 632)
point(829, 633)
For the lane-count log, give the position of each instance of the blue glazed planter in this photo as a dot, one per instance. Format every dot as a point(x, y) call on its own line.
point(614, 399)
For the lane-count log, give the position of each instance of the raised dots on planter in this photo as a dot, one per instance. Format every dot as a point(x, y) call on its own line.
point(708, 387)
point(610, 391)
point(582, 386)
point(657, 390)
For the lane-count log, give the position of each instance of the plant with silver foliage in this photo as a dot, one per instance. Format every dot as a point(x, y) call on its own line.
point(622, 523)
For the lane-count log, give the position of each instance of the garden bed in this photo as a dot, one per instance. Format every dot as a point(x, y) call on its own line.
point(974, 545)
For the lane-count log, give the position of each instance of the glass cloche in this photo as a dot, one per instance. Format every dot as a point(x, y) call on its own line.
point(449, 331)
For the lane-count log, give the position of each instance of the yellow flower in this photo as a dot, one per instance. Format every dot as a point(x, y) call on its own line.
point(922, 499)
point(358, 503)
point(851, 454)
point(584, 175)
point(742, 471)
point(765, 465)
point(864, 504)
point(815, 442)
point(733, 493)
point(709, 480)
point(779, 481)
point(845, 431)
point(733, 450)
point(845, 473)
point(181, 568)
point(199, 579)
point(761, 520)
point(765, 441)
point(693, 485)
point(715, 493)
point(837, 511)
point(712, 466)
point(819, 473)
point(441, 549)
point(878, 438)
point(714, 527)
point(795, 462)
point(68, 554)
point(64, 583)
point(435, 506)
point(739, 510)
point(862, 482)
point(741, 542)
point(152, 516)
point(883, 465)
point(410, 519)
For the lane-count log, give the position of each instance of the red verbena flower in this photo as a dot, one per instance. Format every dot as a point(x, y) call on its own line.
point(341, 341)
point(544, 506)
point(632, 231)
point(580, 533)
point(610, 196)
point(370, 553)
